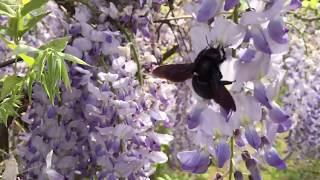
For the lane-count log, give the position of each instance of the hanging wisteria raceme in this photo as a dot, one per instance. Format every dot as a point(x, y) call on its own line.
point(111, 124)
point(254, 38)
point(301, 99)
point(107, 127)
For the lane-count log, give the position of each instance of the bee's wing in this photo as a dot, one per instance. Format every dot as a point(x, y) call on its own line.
point(223, 97)
point(175, 72)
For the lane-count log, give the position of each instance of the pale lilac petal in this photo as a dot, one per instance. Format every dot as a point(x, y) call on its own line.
point(222, 153)
point(227, 32)
point(277, 115)
point(294, 4)
point(194, 161)
point(273, 159)
point(54, 175)
point(194, 119)
point(252, 17)
point(82, 44)
point(277, 32)
point(158, 157)
point(249, 108)
point(285, 126)
point(82, 14)
point(254, 70)
point(73, 51)
point(247, 55)
point(208, 9)
point(229, 4)
point(199, 35)
point(260, 42)
point(260, 94)
point(253, 137)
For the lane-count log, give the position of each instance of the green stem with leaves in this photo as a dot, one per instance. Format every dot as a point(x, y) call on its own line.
point(235, 18)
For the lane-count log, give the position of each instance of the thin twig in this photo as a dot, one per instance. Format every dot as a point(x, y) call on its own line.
point(9, 62)
point(307, 19)
point(169, 53)
point(165, 20)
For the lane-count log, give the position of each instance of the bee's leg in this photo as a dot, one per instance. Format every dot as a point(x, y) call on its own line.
point(223, 53)
point(226, 82)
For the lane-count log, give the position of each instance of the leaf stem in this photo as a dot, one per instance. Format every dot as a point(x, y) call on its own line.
point(235, 18)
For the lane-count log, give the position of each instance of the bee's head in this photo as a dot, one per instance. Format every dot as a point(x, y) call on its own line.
point(215, 54)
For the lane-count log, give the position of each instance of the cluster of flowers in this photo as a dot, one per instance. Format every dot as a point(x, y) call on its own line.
point(260, 39)
point(108, 126)
point(302, 98)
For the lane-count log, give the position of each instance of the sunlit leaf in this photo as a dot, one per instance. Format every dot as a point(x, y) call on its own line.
point(72, 58)
point(29, 60)
point(6, 10)
point(23, 49)
point(10, 83)
point(31, 23)
point(32, 5)
point(57, 44)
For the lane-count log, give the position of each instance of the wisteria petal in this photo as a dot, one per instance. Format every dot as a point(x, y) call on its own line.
point(253, 137)
point(260, 94)
point(277, 115)
point(285, 126)
point(227, 33)
point(273, 159)
point(194, 161)
point(208, 9)
point(294, 4)
point(229, 4)
point(195, 116)
point(250, 71)
point(260, 41)
point(277, 32)
point(251, 165)
point(222, 153)
point(238, 175)
point(247, 55)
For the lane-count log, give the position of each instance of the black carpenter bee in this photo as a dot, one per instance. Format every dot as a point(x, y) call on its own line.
point(205, 74)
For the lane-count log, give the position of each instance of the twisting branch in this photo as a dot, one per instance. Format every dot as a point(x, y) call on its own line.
point(9, 62)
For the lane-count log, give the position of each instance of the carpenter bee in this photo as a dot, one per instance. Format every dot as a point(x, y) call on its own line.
point(206, 76)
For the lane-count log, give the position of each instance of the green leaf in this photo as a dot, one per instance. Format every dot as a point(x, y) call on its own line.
point(29, 60)
point(56, 44)
point(31, 23)
point(9, 43)
point(32, 5)
point(6, 10)
point(72, 58)
point(10, 84)
point(23, 49)
point(313, 4)
point(13, 27)
point(9, 105)
point(65, 76)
